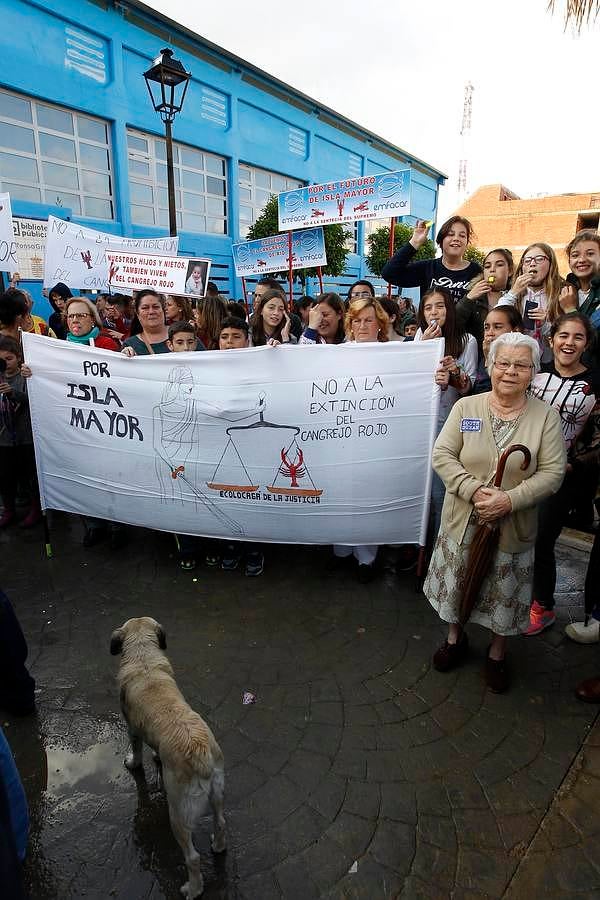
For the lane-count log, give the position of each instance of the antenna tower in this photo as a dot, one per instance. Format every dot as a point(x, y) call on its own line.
point(465, 133)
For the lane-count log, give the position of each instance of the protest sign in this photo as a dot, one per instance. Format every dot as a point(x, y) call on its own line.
point(30, 236)
point(272, 254)
point(312, 445)
point(75, 254)
point(8, 245)
point(171, 274)
point(348, 200)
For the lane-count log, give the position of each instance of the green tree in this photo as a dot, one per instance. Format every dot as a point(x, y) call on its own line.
point(379, 242)
point(473, 254)
point(335, 241)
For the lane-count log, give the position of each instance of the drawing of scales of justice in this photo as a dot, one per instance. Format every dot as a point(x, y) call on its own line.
point(277, 442)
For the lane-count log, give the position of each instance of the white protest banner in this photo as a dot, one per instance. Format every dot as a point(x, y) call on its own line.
point(314, 445)
point(172, 274)
point(272, 254)
point(349, 200)
point(75, 254)
point(8, 244)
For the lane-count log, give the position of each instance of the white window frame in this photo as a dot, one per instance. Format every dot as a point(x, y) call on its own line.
point(50, 194)
point(247, 181)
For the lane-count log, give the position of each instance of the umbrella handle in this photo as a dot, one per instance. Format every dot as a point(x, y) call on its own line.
point(503, 459)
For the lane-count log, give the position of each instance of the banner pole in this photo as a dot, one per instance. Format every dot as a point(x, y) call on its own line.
point(48, 545)
point(245, 297)
point(320, 275)
point(391, 248)
point(291, 273)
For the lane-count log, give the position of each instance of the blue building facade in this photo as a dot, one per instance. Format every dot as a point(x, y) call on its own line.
point(79, 136)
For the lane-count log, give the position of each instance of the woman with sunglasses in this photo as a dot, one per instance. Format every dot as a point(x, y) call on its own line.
point(573, 390)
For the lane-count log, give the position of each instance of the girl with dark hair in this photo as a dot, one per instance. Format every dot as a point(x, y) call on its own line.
point(450, 270)
point(573, 390)
point(485, 291)
point(149, 332)
point(270, 321)
point(500, 320)
point(436, 318)
point(325, 321)
point(210, 313)
point(390, 308)
point(58, 296)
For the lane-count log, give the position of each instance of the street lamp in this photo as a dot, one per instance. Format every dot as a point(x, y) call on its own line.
point(167, 83)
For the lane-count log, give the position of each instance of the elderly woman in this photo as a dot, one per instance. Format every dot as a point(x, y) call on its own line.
point(465, 456)
point(85, 327)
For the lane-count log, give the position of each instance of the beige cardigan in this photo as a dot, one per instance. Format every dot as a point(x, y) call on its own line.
point(466, 460)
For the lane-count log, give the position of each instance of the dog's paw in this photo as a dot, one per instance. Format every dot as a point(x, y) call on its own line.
point(132, 762)
point(189, 893)
point(218, 844)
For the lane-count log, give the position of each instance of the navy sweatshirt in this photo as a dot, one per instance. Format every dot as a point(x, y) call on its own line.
point(427, 273)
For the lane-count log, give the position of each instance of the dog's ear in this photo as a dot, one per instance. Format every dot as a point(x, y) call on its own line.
point(162, 636)
point(116, 642)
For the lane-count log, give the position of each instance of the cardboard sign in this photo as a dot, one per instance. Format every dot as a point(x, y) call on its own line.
point(76, 254)
point(167, 274)
point(272, 254)
point(348, 200)
point(8, 245)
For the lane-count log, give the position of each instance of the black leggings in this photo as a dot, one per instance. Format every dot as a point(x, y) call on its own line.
point(17, 467)
point(577, 488)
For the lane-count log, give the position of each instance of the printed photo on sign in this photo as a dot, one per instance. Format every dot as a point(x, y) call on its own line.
point(166, 274)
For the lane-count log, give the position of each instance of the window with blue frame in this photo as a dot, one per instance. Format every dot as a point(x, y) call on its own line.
point(200, 185)
point(53, 155)
point(256, 186)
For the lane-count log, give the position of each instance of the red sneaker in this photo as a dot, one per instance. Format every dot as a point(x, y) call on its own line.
point(540, 618)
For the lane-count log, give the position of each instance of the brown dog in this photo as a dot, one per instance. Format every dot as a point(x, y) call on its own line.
point(158, 715)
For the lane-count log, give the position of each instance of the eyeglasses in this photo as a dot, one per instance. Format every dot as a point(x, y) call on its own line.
point(359, 295)
point(504, 365)
point(79, 316)
point(537, 260)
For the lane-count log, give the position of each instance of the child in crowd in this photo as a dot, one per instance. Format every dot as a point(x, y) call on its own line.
point(234, 336)
point(17, 458)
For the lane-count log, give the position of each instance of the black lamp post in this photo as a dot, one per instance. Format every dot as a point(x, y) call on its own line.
point(167, 82)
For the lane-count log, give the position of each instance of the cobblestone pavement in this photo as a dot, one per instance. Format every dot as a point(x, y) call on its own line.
point(359, 772)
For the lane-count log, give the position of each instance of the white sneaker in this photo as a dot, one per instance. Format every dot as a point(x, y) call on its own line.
point(584, 634)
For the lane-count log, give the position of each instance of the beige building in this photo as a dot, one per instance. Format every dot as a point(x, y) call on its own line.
point(502, 219)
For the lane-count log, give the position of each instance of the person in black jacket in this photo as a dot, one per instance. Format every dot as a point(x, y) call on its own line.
point(58, 296)
point(450, 270)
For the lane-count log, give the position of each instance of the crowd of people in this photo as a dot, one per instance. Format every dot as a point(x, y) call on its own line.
point(520, 366)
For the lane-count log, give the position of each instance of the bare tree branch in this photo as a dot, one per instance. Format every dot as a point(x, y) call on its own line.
point(579, 12)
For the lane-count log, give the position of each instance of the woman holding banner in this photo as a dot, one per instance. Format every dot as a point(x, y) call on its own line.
point(149, 332)
point(325, 321)
point(366, 323)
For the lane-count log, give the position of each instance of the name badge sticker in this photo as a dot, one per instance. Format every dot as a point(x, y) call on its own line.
point(470, 424)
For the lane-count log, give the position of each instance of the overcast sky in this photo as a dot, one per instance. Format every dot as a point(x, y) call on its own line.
point(400, 70)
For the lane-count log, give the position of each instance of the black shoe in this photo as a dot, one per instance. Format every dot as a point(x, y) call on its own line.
point(365, 574)
point(255, 565)
point(449, 656)
point(94, 536)
point(496, 675)
point(119, 537)
point(407, 559)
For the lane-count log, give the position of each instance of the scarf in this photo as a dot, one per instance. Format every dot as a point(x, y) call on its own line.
point(84, 338)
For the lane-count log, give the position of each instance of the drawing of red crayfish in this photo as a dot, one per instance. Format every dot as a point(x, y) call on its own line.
point(362, 206)
point(317, 212)
point(87, 258)
point(293, 470)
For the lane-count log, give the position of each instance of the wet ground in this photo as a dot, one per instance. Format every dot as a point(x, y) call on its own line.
point(359, 772)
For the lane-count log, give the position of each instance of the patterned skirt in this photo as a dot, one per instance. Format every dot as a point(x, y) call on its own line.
point(505, 596)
